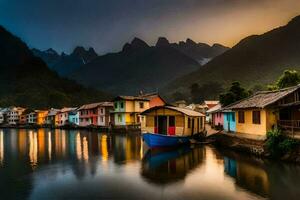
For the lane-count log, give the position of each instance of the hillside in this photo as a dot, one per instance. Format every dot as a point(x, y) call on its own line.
point(64, 64)
point(25, 80)
point(257, 59)
point(137, 67)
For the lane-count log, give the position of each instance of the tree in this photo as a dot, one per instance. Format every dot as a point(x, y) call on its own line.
point(235, 93)
point(287, 79)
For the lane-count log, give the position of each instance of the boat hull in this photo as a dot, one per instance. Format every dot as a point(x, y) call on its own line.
point(158, 140)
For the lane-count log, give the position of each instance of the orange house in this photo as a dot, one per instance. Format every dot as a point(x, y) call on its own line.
point(154, 99)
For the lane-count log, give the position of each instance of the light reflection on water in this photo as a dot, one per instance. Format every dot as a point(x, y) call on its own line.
point(57, 164)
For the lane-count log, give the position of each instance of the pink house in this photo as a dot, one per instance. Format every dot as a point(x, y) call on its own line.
point(217, 116)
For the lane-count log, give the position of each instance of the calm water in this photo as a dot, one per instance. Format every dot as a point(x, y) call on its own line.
point(59, 164)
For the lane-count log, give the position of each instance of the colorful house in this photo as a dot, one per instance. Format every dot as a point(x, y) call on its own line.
point(41, 116)
point(73, 117)
point(127, 110)
point(229, 124)
point(217, 117)
point(171, 120)
point(52, 117)
point(96, 114)
point(31, 118)
point(205, 106)
point(154, 99)
point(63, 116)
point(263, 111)
point(13, 115)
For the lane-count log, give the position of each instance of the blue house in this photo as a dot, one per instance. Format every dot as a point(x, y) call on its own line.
point(74, 117)
point(229, 121)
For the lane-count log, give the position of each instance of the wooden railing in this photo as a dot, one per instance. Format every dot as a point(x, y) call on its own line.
point(292, 126)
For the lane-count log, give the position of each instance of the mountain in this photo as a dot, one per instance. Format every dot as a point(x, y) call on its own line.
point(65, 64)
point(25, 80)
point(201, 52)
point(142, 67)
point(257, 59)
point(137, 67)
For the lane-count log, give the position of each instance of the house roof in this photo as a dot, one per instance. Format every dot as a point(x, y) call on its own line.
point(262, 99)
point(131, 98)
point(214, 109)
point(53, 112)
point(152, 95)
point(95, 105)
point(67, 110)
point(185, 111)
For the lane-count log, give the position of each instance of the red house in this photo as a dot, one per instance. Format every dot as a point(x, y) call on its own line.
point(96, 114)
point(154, 99)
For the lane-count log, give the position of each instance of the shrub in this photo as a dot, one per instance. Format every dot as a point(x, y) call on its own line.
point(278, 144)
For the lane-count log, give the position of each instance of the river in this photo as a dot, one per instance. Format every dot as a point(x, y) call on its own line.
point(58, 164)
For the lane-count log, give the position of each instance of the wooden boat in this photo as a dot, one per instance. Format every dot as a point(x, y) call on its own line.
point(159, 140)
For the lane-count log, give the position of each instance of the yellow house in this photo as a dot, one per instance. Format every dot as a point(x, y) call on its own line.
point(41, 116)
point(127, 110)
point(263, 111)
point(171, 120)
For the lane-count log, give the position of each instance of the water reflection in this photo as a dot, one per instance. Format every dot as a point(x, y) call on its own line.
point(168, 166)
point(57, 164)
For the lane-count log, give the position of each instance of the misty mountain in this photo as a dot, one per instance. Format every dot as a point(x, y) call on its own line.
point(64, 64)
point(25, 80)
point(257, 59)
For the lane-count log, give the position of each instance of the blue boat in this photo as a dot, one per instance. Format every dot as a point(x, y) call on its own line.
point(159, 140)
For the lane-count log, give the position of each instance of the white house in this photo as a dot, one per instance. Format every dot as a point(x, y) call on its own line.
point(13, 114)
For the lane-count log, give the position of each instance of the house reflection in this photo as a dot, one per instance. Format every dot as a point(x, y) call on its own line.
point(248, 174)
point(165, 167)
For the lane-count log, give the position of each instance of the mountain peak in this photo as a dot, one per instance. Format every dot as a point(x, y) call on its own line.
point(162, 42)
point(190, 42)
point(51, 51)
point(138, 43)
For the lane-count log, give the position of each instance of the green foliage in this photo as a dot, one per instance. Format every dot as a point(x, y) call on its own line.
point(235, 93)
point(278, 144)
point(288, 78)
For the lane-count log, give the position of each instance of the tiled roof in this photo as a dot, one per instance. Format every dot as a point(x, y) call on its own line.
point(95, 105)
point(262, 99)
point(214, 109)
point(185, 111)
point(131, 98)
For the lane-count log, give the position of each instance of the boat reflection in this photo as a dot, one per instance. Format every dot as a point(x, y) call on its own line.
point(169, 166)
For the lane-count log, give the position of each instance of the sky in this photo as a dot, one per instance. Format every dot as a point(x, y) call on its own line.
point(107, 25)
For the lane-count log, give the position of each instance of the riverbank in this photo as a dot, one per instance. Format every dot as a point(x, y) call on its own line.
point(255, 147)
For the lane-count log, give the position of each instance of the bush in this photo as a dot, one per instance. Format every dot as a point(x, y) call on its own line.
point(278, 144)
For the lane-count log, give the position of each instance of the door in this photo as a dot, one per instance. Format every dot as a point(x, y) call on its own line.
point(193, 125)
point(162, 125)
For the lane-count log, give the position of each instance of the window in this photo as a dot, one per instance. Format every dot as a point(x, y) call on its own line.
point(122, 105)
point(94, 111)
point(101, 119)
point(141, 105)
point(241, 116)
point(116, 105)
point(119, 118)
point(256, 117)
point(233, 117)
point(101, 110)
point(171, 121)
point(189, 122)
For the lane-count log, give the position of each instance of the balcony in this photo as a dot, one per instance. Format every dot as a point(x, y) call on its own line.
point(290, 126)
